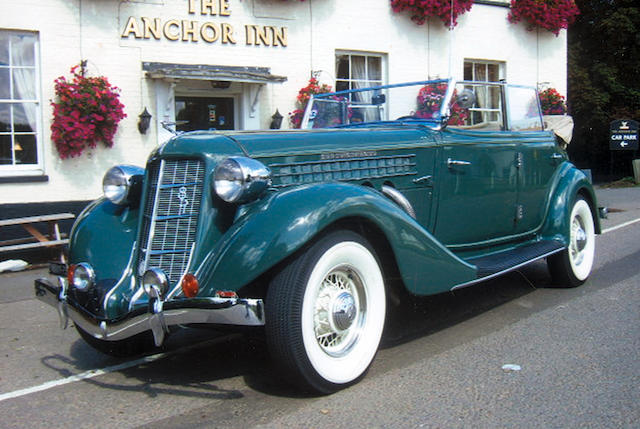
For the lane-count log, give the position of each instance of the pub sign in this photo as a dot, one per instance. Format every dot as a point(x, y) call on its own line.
point(624, 135)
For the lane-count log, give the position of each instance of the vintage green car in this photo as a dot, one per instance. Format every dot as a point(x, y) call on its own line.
point(428, 186)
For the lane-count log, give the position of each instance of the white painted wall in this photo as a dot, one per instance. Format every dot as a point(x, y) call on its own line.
point(71, 30)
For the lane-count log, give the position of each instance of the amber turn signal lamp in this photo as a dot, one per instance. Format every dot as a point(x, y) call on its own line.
point(190, 285)
point(70, 271)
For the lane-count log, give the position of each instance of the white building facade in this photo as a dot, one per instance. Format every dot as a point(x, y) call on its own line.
point(225, 64)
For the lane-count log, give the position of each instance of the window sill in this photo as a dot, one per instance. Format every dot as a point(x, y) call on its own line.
point(24, 179)
point(494, 3)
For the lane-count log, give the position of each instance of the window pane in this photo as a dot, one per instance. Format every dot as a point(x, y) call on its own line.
point(25, 147)
point(24, 117)
point(342, 67)
point(494, 72)
point(480, 72)
point(4, 84)
point(4, 48)
point(358, 70)
point(5, 150)
point(342, 85)
point(22, 52)
point(468, 71)
point(5, 118)
point(375, 68)
point(24, 84)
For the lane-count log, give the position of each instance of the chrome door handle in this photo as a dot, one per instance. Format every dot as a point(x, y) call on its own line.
point(557, 156)
point(454, 162)
point(423, 179)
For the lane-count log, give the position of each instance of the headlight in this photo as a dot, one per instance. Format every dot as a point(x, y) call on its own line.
point(81, 276)
point(239, 179)
point(122, 184)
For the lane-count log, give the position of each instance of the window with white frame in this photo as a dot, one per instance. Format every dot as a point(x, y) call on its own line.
point(488, 106)
point(19, 102)
point(355, 70)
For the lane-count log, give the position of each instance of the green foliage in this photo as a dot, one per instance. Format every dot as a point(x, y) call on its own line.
point(604, 78)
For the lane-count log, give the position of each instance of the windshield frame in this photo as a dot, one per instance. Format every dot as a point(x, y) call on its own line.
point(444, 108)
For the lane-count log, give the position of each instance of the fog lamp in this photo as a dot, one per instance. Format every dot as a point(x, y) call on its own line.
point(81, 276)
point(155, 282)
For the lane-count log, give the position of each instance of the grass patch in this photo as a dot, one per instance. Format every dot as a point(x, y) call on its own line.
point(625, 182)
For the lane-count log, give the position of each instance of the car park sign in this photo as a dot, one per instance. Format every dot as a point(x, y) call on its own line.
point(624, 135)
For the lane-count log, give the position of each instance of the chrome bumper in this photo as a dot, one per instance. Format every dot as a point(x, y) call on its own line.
point(158, 317)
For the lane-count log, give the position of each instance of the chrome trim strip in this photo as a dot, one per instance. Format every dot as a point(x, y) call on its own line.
point(398, 198)
point(223, 311)
point(152, 222)
point(515, 267)
point(125, 273)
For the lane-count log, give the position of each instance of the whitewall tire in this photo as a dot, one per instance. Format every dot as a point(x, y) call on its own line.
point(325, 313)
point(572, 266)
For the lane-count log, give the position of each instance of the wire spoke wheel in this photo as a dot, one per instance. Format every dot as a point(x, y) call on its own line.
point(325, 313)
point(572, 266)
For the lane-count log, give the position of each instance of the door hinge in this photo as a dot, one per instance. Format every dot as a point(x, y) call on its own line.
point(519, 212)
point(519, 160)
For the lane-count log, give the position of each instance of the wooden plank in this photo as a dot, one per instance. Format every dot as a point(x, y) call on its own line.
point(37, 234)
point(52, 243)
point(28, 240)
point(34, 219)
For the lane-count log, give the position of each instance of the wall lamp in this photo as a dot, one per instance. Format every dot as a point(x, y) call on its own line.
point(144, 122)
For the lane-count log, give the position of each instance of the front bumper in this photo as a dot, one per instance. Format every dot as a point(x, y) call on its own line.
point(157, 317)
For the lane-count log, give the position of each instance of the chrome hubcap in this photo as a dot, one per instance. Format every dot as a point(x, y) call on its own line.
point(338, 312)
point(344, 311)
point(578, 240)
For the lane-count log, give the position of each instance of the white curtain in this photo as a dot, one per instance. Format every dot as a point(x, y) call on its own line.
point(24, 88)
point(359, 79)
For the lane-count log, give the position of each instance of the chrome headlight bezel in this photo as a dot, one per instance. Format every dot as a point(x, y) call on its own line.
point(83, 277)
point(122, 184)
point(239, 179)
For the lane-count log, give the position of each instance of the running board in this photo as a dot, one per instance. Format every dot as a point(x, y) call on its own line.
point(500, 263)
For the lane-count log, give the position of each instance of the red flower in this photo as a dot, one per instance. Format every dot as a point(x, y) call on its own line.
point(421, 10)
point(88, 110)
point(552, 15)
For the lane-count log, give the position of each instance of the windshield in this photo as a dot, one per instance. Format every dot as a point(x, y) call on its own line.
point(417, 101)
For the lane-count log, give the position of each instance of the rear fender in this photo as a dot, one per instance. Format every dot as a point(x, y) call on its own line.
point(274, 228)
point(571, 182)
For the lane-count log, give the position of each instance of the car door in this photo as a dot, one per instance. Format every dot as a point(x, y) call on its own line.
point(537, 157)
point(477, 184)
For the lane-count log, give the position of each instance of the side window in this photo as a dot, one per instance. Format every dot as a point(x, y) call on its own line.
point(19, 103)
point(477, 106)
point(523, 109)
point(355, 70)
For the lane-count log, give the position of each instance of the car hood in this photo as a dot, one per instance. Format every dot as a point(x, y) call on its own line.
point(275, 144)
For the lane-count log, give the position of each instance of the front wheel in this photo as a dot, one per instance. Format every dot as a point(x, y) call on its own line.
point(325, 313)
point(572, 266)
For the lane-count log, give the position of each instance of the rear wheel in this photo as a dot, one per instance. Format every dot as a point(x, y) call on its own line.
point(572, 266)
point(325, 313)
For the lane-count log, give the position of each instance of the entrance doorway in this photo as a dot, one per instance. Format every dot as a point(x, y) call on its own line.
point(204, 113)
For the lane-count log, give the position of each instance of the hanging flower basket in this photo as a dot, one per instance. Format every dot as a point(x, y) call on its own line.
point(421, 10)
point(552, 15)
point(552, 102)
point(304, 95)
point(87, 111)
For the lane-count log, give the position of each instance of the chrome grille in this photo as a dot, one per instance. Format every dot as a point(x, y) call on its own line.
point(171, 216)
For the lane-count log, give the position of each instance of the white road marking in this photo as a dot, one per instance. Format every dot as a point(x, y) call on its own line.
point(622, 225)
point(82, 376)
point(148, 359)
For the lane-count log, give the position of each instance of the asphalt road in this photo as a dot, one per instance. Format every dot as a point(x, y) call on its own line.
point(440, 364)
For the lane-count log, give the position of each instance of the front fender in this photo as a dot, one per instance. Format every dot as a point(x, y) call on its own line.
point(571, 182)
point(276, 227)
